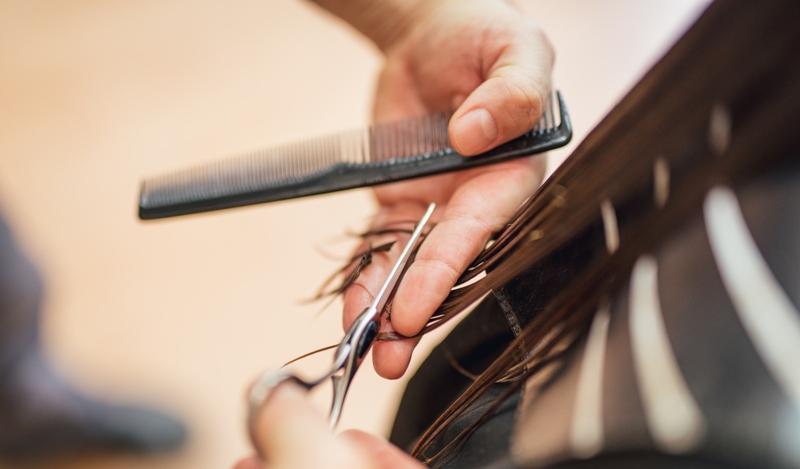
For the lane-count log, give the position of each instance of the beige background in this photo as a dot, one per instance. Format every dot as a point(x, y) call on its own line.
point(182, 313)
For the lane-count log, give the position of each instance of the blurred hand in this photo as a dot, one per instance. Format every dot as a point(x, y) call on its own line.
point(492, 64)
point(292, 435)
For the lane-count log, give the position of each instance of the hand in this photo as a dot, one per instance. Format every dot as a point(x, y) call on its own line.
point(292, 435)
point(492, 64)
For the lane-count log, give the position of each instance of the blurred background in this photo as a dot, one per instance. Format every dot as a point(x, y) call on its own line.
point(183, 313)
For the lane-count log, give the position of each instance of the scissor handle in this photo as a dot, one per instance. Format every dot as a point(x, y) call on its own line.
point(260, 392)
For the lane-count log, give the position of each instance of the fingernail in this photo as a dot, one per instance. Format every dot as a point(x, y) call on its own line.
point(475, 131)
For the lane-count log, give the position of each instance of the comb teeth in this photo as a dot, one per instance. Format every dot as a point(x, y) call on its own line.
point(419, 137)
point(376, 151)
point(277, 166)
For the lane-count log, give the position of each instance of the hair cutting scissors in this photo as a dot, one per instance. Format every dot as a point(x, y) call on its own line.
point(351, 351)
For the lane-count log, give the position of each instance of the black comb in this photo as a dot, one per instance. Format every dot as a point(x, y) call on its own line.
point(379, 154)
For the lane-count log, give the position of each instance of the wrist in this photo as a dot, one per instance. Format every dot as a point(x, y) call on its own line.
point(385, 22)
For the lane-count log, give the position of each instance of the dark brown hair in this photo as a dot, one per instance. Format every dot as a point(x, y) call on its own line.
point(721, 106)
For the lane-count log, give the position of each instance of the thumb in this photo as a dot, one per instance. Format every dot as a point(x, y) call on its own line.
point(507, 104)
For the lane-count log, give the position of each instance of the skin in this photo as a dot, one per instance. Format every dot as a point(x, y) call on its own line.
point(492, 64)
point(294, 435)
point(483, 58)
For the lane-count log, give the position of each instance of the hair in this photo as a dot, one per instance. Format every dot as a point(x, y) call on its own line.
point(706, 114)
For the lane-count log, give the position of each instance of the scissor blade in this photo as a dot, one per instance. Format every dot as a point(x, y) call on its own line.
point(397, 269)
point(338, 400)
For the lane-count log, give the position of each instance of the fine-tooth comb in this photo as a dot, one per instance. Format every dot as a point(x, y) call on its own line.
point(378, 154)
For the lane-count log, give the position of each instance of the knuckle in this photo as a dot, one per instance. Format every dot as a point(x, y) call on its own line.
point(524, 103)
point(471, 218)
point(447, 266)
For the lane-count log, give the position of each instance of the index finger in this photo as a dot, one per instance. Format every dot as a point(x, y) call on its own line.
point(365, 288)
point(480, 207)
point(362, 292)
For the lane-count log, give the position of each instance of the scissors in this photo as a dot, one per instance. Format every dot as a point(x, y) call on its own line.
point(349, 354)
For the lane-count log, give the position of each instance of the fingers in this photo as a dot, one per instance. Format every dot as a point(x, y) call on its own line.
point(483, 203)
point(481, 206)
point(361, 293)
point(391, 358)
point(291, 434)
point(510, 101)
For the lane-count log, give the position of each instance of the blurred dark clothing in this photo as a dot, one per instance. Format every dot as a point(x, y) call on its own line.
point(40, 413)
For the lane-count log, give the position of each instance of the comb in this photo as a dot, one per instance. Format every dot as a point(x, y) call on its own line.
point(376, 155)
